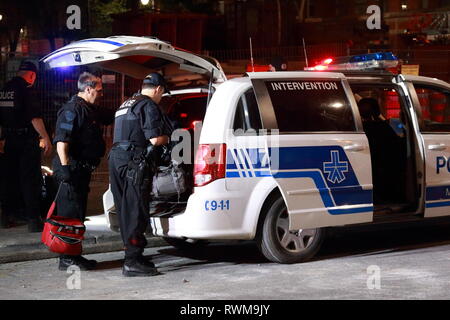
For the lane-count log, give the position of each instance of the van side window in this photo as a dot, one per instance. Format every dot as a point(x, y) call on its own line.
point(435, 107)
point(247, 119)
point(310, 106)
point(390, 104)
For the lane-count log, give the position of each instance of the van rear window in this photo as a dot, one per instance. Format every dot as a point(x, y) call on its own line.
point(186, 109)
point(310, 106)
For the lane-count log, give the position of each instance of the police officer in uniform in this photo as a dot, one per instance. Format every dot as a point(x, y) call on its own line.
point(138, 129)
point(80, 147)
point(24, 132)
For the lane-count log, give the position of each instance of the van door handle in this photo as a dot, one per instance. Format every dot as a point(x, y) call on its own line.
point(354, 147)
point(437, 147)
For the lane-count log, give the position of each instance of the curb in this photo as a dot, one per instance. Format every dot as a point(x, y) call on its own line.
point(92, 244)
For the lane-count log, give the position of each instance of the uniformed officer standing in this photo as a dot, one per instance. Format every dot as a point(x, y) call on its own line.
point(80, 147)
point(138, 127)
point(24, 132)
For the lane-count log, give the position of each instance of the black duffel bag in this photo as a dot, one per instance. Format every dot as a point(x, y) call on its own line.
point(169, 181)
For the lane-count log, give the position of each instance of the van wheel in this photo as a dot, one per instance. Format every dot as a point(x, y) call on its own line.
point(186, 244)
point(280, 245)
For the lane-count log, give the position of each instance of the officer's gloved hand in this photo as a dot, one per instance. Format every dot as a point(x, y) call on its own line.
point(64, 173)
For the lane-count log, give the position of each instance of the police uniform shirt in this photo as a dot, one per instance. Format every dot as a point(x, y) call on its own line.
point(138, 120)
point(17, 108)
point(76, 124)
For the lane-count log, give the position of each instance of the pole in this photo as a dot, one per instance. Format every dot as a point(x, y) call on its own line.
point(251, 55)
point(304, 50)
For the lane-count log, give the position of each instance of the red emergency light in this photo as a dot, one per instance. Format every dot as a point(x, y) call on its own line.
point(369, 61)
point(258, 68)
point(322, 65)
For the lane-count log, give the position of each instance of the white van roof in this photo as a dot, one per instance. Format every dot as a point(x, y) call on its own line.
point(137, 57)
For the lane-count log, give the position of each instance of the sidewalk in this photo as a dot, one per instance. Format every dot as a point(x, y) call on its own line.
point(16, 244)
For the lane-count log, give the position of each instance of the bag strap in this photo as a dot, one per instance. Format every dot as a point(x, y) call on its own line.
point(52, 207)
point(175, 181)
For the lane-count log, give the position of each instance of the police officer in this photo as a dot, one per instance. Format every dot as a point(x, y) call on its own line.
point(80, 147)
point(24, 133)
point(138, 128)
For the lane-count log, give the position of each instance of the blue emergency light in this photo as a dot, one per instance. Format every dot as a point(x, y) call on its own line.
point(368, 61)
point(389, 56)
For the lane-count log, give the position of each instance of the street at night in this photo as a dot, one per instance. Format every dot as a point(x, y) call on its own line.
point(413, 263)
point(222, 151)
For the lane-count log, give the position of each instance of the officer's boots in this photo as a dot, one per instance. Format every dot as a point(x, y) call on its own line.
point(139, 267)
point(79, 261)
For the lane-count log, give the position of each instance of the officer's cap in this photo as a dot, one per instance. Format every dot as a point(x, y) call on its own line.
point(27, 66)
point(157, 80)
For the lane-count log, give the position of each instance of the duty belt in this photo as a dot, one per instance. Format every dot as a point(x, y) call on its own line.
point(84, 165)
point(16, 131)
point(128, 146)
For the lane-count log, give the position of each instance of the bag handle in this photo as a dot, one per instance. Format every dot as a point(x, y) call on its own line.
point(175, 181)
point(52, 207)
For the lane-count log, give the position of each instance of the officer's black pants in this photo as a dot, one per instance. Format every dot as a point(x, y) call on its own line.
point(23, 175)
point(131, 202)
point(80, 179)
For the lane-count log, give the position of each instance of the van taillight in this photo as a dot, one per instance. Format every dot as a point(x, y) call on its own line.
point(209, 165)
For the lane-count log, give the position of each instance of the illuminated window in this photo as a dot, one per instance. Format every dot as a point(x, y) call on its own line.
point(435, 108)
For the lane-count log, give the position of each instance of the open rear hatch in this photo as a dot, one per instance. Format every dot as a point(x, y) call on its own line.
point(138, 56)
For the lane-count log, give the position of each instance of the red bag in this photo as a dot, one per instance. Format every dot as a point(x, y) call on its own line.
point(63, 235)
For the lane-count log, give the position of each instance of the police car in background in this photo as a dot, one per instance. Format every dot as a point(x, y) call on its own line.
point(283, 156)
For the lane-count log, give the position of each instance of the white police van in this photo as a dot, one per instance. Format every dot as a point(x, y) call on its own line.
point(285, 155)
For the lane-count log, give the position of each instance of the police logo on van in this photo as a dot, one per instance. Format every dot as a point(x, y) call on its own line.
point(442, 162)
point(335, 168)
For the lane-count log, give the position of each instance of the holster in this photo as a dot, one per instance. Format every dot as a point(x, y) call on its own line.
point(138, 171)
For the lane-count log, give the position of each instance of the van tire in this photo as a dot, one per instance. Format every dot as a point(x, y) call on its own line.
point(185, 244)
point(296, 248)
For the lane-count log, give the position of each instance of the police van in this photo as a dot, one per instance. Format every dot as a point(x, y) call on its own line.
point(283, 156)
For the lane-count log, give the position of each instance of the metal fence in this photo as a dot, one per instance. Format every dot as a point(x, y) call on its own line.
point(297, 53)
point(432, 63)
point(54, 87)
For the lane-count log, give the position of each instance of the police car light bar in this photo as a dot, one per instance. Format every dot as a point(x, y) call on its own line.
point(369, 61)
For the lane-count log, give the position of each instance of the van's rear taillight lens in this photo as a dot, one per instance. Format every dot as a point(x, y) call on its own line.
point(210, 162)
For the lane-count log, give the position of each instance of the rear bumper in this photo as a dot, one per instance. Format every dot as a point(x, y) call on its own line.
point(233, 217)
point(212, 212)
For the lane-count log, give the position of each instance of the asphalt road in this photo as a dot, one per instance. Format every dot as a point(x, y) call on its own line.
point(376, 263)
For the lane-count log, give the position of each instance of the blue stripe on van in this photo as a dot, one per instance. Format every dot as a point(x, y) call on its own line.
point(118, 44)
point(437, 204)
point(351, 210)
point(438, 193)
point(242, 153)
point(308, 162)
point(435, 194)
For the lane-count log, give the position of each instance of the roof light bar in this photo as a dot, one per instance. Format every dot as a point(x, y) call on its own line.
point(369, 61)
